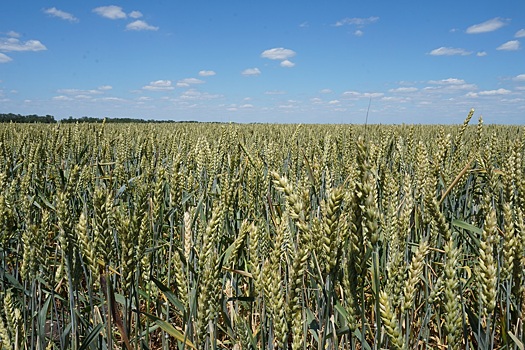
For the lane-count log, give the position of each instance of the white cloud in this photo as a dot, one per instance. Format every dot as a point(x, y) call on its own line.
point(189, 81)
point(355, 94)
point(372, 94)
point(512, 45)
point(53, 11)
point(395, 99)
point(287, 64)
point(334, 102)
point(520, 33)
point(62, 98)
point(105, 87)
point(449, 88)
point(357, 21)
point(135, 14)
point(494, 92)
point(449, 81)
point(13, 34)
point(487, 26)
point(304, 25)
point(497, 92)
point(247, 105)
point(12, 44)
point(512, 100)
point(5, 58)
point(112, 99)
point(251, 72)
point(159, 85)
point(193, 94)
point(481, 54)
point(520, 77)
point(278, 53)
point(450, 85)
point(140, 25)
point(403, 89)
point(79, 92)
point(275, 92)
point(111, 12)
point(325, 91)
point(449, 51)
point(358, 33)
point(206, 73)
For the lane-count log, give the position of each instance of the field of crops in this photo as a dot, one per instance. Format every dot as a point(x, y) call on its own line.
point(209, 236)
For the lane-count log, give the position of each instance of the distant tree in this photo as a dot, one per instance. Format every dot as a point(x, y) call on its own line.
point(32, 118)
point(49, 119)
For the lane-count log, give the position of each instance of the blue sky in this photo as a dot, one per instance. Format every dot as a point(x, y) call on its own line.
point(265, 61)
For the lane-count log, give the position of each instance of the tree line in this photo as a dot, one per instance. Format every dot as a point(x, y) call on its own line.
point(33, 118)
point(49, 119)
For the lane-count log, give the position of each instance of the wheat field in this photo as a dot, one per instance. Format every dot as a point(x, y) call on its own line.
point(216, 236)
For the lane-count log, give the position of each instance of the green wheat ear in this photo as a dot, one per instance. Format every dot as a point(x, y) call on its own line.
point(390, 323)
